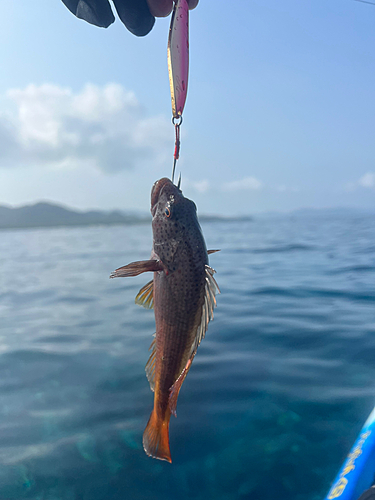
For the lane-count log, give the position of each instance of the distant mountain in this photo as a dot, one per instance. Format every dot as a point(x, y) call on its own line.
point(222, 218)
point(333, 212)
point(46, 214)
point(329, 212)
point(50, 215)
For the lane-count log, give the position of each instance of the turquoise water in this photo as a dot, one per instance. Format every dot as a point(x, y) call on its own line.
point(278, 391)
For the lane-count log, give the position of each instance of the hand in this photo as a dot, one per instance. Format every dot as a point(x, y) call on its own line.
point(162, 8)
point(137, 15)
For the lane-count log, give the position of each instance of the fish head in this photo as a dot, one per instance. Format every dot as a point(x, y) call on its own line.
point(174, 221)
point(169, 206)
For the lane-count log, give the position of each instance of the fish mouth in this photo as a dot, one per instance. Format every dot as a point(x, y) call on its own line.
point(157, 190)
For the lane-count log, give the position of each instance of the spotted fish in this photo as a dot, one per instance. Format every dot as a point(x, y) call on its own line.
point(182, 294)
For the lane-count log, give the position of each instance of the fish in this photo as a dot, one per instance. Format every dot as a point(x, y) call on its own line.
point(182, 294)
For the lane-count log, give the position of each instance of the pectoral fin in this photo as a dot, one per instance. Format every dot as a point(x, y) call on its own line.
point(135, 268)
point(212, 251)
point(145, 296)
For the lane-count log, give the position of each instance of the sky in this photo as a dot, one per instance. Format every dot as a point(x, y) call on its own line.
point(280, 113)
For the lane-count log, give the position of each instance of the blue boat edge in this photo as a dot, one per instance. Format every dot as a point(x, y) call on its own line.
point(358, 471)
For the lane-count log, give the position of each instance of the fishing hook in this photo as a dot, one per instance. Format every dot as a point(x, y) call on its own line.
point(177, 123)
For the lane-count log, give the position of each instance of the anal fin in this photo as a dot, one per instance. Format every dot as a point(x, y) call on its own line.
point(175, 389)
point(150, 365)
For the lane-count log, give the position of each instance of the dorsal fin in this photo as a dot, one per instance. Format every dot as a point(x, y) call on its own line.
point(145, 296)
point(211, 288)
point(150, 365)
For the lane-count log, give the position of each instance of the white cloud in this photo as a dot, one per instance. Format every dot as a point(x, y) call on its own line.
point(282, 188)
point(367, 180)
point(246, 184)
point(201, 186)
point(105, 127)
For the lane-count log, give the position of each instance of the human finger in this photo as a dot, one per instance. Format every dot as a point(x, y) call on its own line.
point(193, 4)
point(97, 12)
point(136, 16)
point(160, 8)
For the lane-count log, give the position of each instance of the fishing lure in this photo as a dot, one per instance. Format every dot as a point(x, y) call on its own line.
point(178, 67)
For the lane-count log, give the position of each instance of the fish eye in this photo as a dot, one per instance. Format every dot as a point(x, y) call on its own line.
point(167, 211)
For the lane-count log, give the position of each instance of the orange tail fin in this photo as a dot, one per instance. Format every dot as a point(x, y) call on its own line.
point(156, 437)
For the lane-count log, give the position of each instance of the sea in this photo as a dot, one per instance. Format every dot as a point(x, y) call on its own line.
point(277, 393)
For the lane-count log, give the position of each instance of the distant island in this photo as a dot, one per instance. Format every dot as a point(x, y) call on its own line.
point(45, 214)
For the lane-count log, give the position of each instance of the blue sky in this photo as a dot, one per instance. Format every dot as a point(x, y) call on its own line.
point(280, 111)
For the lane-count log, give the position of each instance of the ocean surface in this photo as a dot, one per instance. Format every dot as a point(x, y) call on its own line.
point(277, 394)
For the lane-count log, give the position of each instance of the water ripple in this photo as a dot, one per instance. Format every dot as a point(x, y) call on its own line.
point(274, 399)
